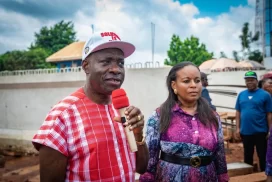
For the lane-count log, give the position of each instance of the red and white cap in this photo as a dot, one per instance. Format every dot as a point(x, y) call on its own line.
point(104, 40)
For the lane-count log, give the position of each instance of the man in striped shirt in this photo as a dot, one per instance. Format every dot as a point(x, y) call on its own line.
point(79, 139)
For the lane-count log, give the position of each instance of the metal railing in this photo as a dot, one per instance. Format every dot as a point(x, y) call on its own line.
point(40, 71)
point(237, 69)
point(137, 65)
point(144, 65)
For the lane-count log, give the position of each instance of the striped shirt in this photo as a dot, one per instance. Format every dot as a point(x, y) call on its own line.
point(85, 132)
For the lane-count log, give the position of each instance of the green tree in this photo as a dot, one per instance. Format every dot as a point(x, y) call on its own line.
point(12, 60)
point(256, 56)
point(188, 50)
point(22, 60)
point(247, 39)
point(223, 55)
point(236, 56)
point(35, 59)
point(47, 41)
point(55, 38)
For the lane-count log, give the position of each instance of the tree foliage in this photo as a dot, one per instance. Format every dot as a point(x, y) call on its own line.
point(188, 50)
point(236, 56)
point(55, 38)
point(247, 40)
point(21, 60)
point(47, 41)
point(223, 55)
point(256, 56)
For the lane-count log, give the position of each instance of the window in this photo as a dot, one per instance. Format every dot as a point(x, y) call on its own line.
point(74, 64)
point(270, 23)
point(270, 11)
point(267, 51)
point(267, 3)
point(267, 27)
point(267, 39)
point(267, 14)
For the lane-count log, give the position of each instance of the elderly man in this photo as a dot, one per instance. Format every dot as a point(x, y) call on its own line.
point(253, 115)
point(79, 139)
point(205, 93)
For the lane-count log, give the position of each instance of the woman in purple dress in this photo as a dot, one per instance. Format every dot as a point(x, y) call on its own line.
point(184, 135)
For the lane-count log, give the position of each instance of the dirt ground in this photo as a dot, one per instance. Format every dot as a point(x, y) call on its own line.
point(26, 169)
point(21, 169)
point(236, 153)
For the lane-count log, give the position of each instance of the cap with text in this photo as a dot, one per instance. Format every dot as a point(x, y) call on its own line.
point(104, 40)
point(251, 74)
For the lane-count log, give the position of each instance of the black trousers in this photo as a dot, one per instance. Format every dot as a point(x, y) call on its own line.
point(259, 140)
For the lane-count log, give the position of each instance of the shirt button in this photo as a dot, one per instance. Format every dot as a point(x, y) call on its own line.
point(193, 118)
point(196, 132)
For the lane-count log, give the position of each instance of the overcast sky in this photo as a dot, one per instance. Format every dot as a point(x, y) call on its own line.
point(217, 23)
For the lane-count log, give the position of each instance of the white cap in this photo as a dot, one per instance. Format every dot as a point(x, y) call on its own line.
point(104, 40)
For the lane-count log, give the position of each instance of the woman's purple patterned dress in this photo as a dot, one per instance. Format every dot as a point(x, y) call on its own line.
point(186, 137)
point(268, 169)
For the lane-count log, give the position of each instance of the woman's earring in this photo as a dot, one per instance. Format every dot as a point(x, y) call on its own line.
point(175, 91)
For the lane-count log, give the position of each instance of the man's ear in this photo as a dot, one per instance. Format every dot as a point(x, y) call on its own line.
point(85, 66)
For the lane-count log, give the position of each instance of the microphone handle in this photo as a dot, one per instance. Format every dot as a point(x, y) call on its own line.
point(129, 134)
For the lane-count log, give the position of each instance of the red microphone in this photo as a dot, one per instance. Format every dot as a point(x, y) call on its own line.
point(120, 102)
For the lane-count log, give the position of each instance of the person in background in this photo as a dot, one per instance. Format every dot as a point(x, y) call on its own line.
point(205, 93)
point(267, 85)
point(79, 139)
point(184, 135)
point(253, 116)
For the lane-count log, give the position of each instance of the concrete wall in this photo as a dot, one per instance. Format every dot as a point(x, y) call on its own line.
point(230, 78)
point(268, 62)
point(26, 98)
point(225, 86)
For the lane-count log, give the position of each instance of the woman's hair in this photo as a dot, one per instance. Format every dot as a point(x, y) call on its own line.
point(205, 114)
point(260, 84)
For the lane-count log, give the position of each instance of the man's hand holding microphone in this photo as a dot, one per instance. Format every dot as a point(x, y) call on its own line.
point(131, 117)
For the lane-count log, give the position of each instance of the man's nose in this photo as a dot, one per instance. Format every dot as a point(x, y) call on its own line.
point(115, 68)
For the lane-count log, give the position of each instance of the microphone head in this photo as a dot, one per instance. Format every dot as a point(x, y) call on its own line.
point(119, 99)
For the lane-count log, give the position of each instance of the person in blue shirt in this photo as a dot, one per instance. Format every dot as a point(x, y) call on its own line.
point(205, 93)
point(253, 108)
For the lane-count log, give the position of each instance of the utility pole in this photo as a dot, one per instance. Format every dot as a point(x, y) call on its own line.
point(152, 41)
point(92, 28)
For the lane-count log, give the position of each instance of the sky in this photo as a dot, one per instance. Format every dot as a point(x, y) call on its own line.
point(216, 23)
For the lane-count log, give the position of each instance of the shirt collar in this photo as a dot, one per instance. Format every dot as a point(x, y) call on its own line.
point(176, 108)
